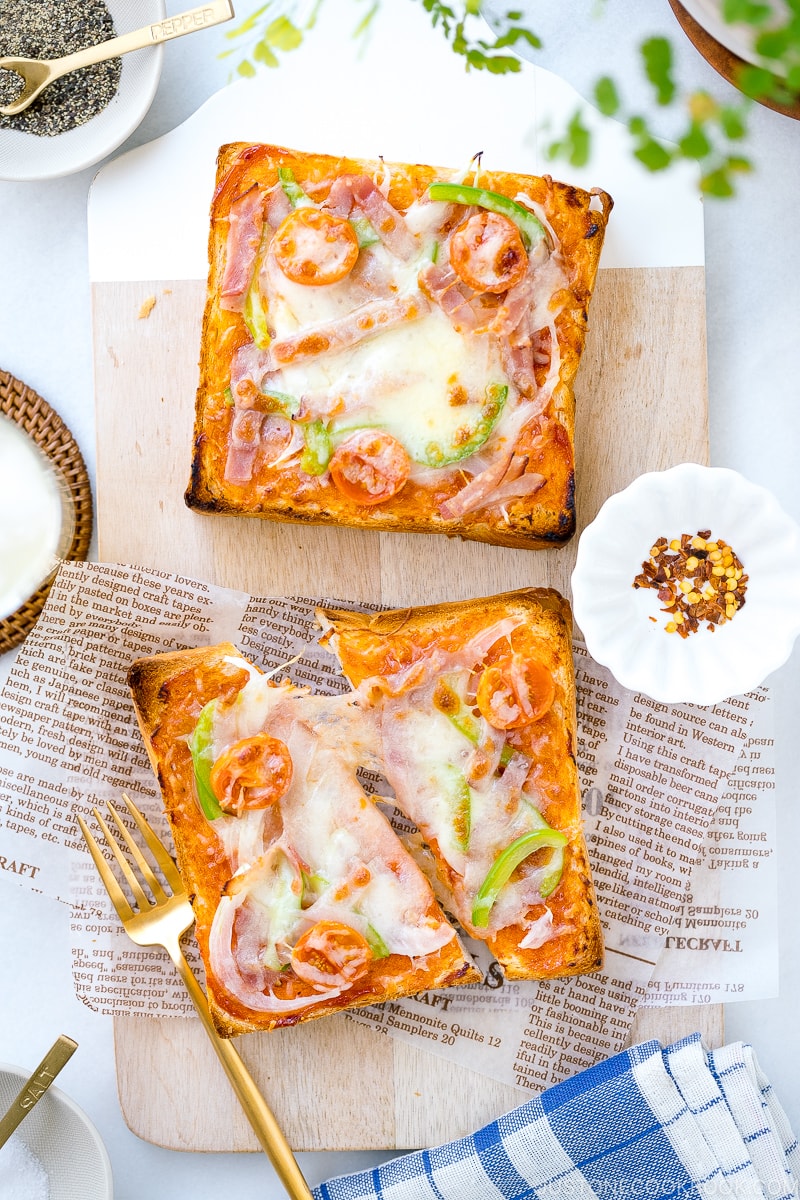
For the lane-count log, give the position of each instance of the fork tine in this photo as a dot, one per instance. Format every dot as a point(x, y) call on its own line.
point(155, 845)
point(118, 897)
point(141, 862)
point(125, 867)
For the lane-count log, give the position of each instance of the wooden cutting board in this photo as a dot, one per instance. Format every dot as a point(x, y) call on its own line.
point(642, 405)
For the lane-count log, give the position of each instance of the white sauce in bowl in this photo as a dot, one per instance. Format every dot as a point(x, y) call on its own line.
point(35, 520)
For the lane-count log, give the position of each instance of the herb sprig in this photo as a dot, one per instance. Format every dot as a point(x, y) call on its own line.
point(712, 134)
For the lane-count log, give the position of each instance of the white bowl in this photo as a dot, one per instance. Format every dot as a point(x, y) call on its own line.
point(615, 618)
point(29, 156)
point(60, 1135)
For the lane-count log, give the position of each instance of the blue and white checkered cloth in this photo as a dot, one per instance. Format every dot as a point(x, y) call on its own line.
point(647, 1123)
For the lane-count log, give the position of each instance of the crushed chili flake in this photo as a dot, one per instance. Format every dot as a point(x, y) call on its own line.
point(699, 580)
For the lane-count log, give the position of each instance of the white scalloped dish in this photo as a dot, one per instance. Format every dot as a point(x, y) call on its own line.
point(615, 618)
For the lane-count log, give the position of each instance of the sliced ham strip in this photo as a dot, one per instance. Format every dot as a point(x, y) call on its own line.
point(330, 337)
point(243, 443)
point(249, 364)
point(440, 283)
point(278, 206)
point(340, 197)
point(245, 223)
point(473, 494)
point(514, 489)
point(252, 988)
point(387, 222)
point(503, 480)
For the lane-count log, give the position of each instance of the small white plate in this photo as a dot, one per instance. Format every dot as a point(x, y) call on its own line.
point(615, 618)
point(60, 1135)
point(29, 156)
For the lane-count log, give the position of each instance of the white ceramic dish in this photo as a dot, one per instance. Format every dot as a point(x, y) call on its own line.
point(28, 156)
point(615, 618)
point(60, 1135)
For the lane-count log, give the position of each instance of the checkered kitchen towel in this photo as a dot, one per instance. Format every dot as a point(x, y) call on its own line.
point(651, 1123)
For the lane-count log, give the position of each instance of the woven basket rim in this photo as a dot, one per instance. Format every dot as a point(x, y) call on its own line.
point(48, 431)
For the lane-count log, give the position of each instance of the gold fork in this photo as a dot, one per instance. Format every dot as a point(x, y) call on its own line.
point(161, 921)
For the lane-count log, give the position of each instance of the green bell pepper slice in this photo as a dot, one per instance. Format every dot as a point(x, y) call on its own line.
point(455, 787)
point(255, 317)
point(318, 449)
point(529, 225)
point(506, 863)
point(200, 746)
point(436, 455)
point(365, 230)
point(294, 193)
point(460, 716)
point(282, 403)
point(376, 943)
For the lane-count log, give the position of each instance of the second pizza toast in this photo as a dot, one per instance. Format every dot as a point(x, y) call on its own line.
point(393, 346)
point(307, 902)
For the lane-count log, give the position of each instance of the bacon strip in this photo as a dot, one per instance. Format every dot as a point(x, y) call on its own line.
point(330, 337)
point(245, 223)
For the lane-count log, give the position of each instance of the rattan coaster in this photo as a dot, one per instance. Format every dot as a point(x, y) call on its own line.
point(48, 431)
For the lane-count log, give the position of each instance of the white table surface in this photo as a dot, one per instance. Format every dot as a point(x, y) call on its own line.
point(753, 289)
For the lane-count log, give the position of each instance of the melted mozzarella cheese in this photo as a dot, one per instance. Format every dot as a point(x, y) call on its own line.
point(422, 381)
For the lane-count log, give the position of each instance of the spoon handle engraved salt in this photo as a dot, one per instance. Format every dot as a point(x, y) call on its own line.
point(57, 1056)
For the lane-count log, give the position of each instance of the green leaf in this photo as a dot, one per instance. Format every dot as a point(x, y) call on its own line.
point(695, 144)
point(653, 155)
point(637, 126)
point(737, 163)
point(745, 12)
point(657, 58)
point(247, 69)
point(773, 43)
point(251, 22)
point(606, 96)
point(265, 55)
point(283, 34)
point(756, 82)
point(716, 183)
point(365, 22)
point(732, 122)
point(516, 34)
point(579, 141)
point(793, 79)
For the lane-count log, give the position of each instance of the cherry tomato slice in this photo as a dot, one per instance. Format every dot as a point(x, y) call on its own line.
point(369, 467)
point(330, 954)
point(314, 247)
point(252, 773)
point(515, 691)
point(487, 253)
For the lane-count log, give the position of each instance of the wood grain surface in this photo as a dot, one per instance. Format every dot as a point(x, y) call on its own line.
point(642, 405)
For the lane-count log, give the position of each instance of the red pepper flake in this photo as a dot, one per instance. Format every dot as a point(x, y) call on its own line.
point(698, 580)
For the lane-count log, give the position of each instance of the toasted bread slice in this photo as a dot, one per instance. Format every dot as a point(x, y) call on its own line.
point(306, 903)
point(375, 357)
point(478, 734)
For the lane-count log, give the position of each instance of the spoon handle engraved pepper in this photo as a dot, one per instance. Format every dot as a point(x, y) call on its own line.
point(31, 1092)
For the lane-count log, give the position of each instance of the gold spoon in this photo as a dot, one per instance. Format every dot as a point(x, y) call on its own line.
point(38, 73)
point(31, 1092)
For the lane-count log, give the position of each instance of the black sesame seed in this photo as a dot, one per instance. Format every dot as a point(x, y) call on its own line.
point(51, 29)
